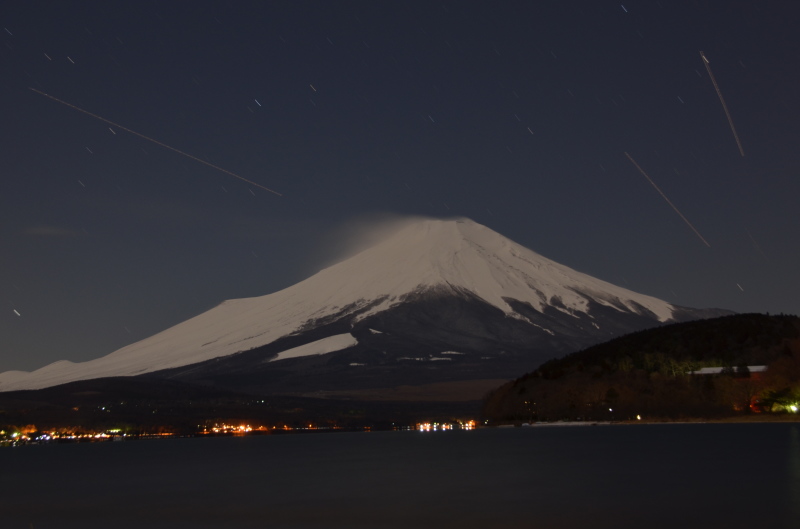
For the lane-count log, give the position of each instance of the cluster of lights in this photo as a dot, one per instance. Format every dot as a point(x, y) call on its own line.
point(443, 426)
point(229, 428)
point(99, 436)
point(242, 429)
point(433, 427)
point(43, 437)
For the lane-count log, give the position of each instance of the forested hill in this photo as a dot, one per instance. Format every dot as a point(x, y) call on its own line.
point(648, 373)
point(740, 339)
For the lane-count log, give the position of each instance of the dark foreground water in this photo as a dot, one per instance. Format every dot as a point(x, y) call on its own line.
point(642, 476)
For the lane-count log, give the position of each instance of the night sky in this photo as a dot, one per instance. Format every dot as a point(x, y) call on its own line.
point(517, 114)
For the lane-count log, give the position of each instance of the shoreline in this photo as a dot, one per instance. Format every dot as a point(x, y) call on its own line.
point(752, 419)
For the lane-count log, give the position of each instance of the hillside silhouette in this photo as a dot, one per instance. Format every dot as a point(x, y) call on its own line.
point(650, 374)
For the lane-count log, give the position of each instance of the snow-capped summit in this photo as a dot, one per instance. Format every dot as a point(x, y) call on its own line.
point(423, 260)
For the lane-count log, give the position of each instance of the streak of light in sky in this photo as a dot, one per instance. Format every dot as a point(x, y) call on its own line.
point(667, 199)
point(722, 100)
point(155, 141)
point(755, 243)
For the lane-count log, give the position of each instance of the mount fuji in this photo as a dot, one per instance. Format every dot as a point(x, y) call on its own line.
point(437, 301)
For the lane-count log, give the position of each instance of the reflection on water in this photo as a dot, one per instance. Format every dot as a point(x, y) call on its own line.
point(654, 476)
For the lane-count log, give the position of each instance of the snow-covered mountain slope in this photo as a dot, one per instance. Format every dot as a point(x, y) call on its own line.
point(458, 256)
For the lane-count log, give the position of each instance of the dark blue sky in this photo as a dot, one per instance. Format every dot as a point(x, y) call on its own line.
point(516, 114)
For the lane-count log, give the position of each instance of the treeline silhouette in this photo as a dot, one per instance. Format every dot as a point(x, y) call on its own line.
point(649, 374)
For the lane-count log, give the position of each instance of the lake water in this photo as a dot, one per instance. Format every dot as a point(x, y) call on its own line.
point(642, 476)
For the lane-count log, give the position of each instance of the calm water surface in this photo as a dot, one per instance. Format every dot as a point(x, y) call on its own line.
point(642, 476)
